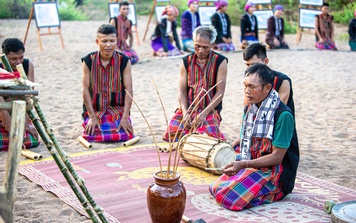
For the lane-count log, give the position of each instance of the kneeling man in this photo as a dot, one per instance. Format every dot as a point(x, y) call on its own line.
point(106, 75)
point(269, 159)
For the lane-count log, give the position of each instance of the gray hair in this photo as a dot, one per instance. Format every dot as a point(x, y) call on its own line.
point(206, 32)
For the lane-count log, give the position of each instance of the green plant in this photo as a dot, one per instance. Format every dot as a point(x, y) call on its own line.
point(290, 27)
point(68, 11)
point(346, 14)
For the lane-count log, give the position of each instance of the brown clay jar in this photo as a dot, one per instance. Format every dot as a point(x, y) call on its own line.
point(166, 198)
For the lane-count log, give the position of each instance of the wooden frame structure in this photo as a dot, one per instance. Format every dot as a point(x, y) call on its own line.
point(134, 26)
point(48, 26)
point(300, 28)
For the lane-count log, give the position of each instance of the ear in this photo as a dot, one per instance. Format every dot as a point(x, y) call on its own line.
point(97, 41)
point(268, 87)
point(266, 60)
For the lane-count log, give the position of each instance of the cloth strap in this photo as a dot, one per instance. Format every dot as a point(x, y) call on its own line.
point(258, 123)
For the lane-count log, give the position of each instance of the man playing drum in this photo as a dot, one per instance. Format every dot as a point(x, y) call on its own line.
point(106, 76)
point(199, 72)
point(269, 161)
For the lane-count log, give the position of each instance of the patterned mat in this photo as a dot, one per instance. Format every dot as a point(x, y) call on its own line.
point(118, 179)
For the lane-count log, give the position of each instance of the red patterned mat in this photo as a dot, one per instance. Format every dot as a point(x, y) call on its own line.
point(118, 181)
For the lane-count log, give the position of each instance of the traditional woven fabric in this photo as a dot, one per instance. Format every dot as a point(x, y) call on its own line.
point(210, 127)
point(225, 46)
point(108, 92)
point(327, 45)
point(249, 188)
point(29, 141)
point(259, 123)
point(118, 180)
point(108, 133)
point(123, 27)
point(132, 55)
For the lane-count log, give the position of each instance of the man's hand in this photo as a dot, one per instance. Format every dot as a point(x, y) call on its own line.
point(199, 120)
point(235, 143)
point(32, 130)
point(233, 168)
point(125, 125)
point(321, 40)
point(276, 42)
point(91, 125)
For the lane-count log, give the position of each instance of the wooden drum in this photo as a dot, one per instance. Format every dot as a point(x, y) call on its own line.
point(203, 151)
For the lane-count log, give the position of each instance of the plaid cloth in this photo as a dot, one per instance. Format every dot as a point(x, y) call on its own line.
point(29, 141)
point(108, 132)
point(225, 46)
point(132, 55)
point(211, 126)
point(248, 188)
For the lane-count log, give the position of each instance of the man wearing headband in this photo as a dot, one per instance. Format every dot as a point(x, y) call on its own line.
point(352, 32)
point(268, 165)
point(199, 72)
point(189, 21)
point(222, 23)
point(14, 50)
point(249, 26)
point(324, 29)
point(275, 30)
point(124, 32)
point(106, 77)
point(160, 40)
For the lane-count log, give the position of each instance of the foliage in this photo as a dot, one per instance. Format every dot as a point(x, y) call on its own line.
point(20, 9)
point(344, 16)
point(68, 11)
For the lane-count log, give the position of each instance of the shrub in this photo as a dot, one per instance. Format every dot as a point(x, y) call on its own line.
point(344, 16)
point(68, 11)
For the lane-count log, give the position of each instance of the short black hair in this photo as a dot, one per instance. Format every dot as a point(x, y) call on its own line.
point(106, 29)
point(325, 4)
point(257, 49)
point(123, 3)
point(12, 45)
point(263, 71)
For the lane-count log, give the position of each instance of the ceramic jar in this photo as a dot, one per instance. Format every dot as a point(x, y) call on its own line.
point(166, 198)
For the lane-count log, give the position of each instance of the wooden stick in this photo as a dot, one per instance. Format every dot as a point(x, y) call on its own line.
point(154, 139)
point(131, 141)
point(84, 142)
point(13, 157)
point(8, 106)
point(31, 155)
point(169, 134)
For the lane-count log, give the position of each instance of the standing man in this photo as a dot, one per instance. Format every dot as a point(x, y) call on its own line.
point(324, 29)
point(275, 30)
point(199, 72)
point(124, 32)
point(14, 50)
point(106, 76)
point(268, 165)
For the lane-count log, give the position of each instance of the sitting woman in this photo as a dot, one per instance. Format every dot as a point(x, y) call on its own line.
point(190, 20)
point(352, 32)
point(160, 40)
point(249, 26)
point(275, 30)
point(222, 23)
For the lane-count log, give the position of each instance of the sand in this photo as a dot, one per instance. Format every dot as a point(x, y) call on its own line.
point(324, 95)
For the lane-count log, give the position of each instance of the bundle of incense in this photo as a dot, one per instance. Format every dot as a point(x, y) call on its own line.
point(31, 155)
point(84, 142)
point(131, 141)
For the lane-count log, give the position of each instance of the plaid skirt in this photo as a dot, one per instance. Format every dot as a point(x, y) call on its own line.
point(108, 132)
point(248, 188)
point(328, 45)
point(210, 127)
point(225, 46)
point(132, 55)
point(28, 141)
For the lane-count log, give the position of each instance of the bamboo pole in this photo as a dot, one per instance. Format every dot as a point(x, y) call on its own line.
point(13, 157)
point(62, 160)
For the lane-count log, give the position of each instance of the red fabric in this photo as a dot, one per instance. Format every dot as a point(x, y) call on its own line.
point(12, 75)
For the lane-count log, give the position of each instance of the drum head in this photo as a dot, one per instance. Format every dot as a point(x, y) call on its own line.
point(224, 155)
point(344, 212)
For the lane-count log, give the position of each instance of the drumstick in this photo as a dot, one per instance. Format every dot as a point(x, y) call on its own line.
point(212, 168)
point(84, 142)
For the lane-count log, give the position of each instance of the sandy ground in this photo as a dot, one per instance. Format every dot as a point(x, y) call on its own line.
point(324, 95)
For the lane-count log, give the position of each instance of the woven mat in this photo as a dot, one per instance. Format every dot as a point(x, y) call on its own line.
point(118, 179)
